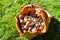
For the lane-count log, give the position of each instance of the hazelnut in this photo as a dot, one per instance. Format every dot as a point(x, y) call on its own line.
point(24, 31)
point(42, 23)
point(37, 25)
point(34, 30)
point(29, 29)
point(25, 18)
point(22, 28)
point(35, 20)
point(32, 23)
point(28, 22)
point(21, 21)
point(25, 27)
point(40, 28)
point(21, 16)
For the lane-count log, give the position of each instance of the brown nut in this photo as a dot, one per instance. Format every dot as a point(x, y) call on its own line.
point(25, 27)
point(35, 20)
point(24, 31)
point(21, 21)
point(34, 30)
point(37, 24)
point(21, 16)
point(29, 29)
point(40, 28)
point(25, 18)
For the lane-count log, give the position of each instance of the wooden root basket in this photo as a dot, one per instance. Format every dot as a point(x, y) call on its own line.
point(46, 17)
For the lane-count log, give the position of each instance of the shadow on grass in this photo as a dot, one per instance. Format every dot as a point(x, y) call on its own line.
point(53, 32)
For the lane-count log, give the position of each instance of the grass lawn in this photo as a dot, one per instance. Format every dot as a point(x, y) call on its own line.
point(10, 8)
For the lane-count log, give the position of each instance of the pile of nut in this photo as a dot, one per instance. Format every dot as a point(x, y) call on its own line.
point(30, 22)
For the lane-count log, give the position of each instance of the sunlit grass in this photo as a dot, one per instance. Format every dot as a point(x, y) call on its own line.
point(9, 9)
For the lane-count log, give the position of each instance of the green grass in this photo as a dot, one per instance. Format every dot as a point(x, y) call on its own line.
point(9, 9)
